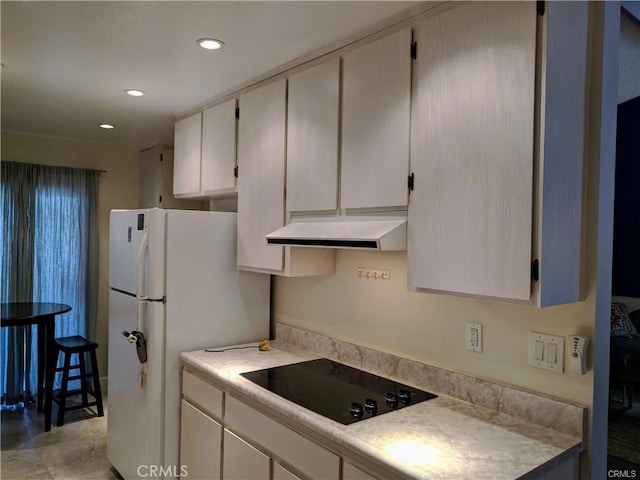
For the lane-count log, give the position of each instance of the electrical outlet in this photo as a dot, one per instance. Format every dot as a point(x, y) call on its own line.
point(474, 337)
point(375, 273)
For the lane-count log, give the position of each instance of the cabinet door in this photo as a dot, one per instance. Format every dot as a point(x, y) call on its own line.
point(470, 214)
point(242, 461)
point(375, 123)
point(261, 172)
point(187, 147)
point(281, 473)
point(200, 444)
point(150, 177)
point(351, 472)
point(219, 148)
point(312, 138)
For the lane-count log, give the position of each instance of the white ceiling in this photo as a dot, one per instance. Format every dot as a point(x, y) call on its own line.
point(67, 64)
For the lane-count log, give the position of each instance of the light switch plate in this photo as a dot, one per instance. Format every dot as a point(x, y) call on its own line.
point(552, 355)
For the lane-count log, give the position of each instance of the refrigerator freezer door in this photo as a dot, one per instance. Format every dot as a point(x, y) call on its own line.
point(128, 231)
point(135, 418)
point(209, 302)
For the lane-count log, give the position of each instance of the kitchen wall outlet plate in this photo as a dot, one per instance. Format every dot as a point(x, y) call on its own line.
point(546, 351)
point(375, 273)
point(474, 337)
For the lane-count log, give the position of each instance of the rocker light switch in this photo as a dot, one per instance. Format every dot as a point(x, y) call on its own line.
point(546, 351)
point(539, 350)
point(552, 353)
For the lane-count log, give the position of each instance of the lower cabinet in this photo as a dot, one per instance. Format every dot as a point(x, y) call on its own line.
point(200, 444)
point(351, 472)
point(242, 461)
point(281, 473)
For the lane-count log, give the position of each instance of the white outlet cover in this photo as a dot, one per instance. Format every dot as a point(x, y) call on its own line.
point(474, 337)
point(546, 362)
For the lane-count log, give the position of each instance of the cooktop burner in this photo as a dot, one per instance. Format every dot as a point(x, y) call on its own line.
point(339, 392)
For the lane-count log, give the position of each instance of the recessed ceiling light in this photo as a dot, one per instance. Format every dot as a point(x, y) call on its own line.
point(134, 92)
point(210, 43)
point(106, 126)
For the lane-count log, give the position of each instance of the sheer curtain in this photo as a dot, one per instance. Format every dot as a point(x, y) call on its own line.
point(49, 240)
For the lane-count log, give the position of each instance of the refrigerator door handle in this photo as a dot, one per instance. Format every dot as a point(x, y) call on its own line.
point(142, 250)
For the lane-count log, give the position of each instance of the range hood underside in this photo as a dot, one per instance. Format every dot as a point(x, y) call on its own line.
point(382, 234)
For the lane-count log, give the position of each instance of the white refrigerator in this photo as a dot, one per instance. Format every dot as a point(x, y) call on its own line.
point(172, 277)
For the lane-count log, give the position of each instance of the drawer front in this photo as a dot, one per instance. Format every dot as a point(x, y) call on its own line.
point(202, 394)
point(300, 452)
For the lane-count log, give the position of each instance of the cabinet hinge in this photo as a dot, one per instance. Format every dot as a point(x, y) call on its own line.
point(535, 270)
point(235, 171)
point(414, 50)
point(540, 7)
point(238, 112)
point(161, 157)
point(410, 182)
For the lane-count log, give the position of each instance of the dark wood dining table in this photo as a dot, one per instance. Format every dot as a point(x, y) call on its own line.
point(43, 315)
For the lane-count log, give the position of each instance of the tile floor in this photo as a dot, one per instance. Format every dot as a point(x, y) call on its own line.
point(75, 451)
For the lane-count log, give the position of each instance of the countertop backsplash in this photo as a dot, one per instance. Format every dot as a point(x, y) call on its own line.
point(540, 410)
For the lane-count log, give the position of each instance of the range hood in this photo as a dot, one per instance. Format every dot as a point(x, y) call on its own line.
point(350, 232)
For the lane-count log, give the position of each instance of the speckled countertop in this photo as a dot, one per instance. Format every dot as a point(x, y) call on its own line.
point(444, 438)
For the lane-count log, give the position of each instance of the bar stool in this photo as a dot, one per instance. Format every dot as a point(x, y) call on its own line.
point(77, 345)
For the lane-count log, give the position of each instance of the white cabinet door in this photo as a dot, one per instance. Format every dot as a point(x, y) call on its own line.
point(187, 146)
point(156, 181)
point(351, 472)
point(200, 444)
point(242, 461)
point(219, 148)
point(281, 473)
point(261, 174)
point(375, 123)
point(312, 138)
point(470, 214)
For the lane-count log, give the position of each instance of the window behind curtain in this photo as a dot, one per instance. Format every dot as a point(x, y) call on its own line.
point(49, 244)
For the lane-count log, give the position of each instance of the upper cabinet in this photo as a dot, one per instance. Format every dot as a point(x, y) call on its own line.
point(375, 123)
point(261, 187)
point(205, 153)
point(156, 181)
point(219, 148)
point(187, 148)
point(312, 138)
point(261, 175)
point(481, 148)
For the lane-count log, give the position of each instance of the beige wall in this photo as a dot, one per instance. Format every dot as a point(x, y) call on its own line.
point(118, 189)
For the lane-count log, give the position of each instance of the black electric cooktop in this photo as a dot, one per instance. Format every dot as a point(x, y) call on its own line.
point(339, 392)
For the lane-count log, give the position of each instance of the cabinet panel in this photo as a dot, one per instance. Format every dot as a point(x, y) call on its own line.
point(562, 127)
point(281, 473)
point(219, 148)
point(202, 394)
point(200, 444)
point(470, 214)
point(261, 165)
point(351, 472)
point(242, 461)
point(375, 123)
point(312, 138)
point(187, 144)
point(298, 451)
